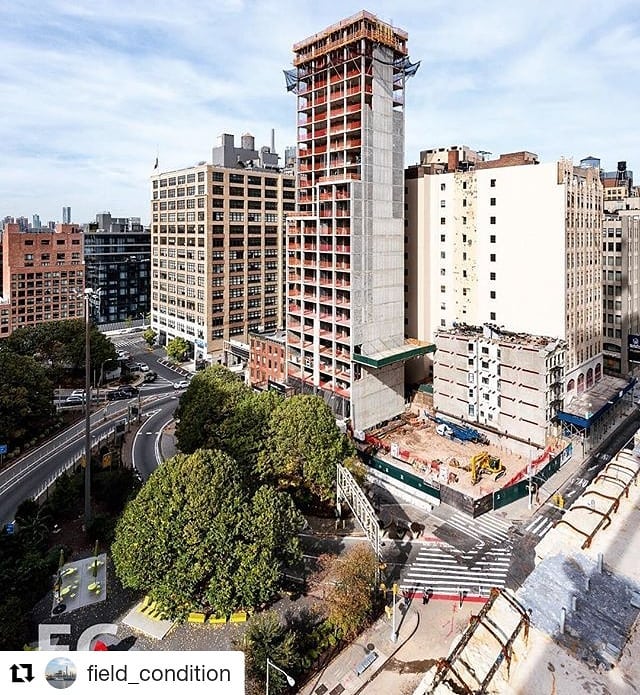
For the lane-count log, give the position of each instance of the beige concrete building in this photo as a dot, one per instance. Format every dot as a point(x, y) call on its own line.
point(621, 273)
point(345, 266)
point(509, 242)
point(506, 382)
point(217, 246)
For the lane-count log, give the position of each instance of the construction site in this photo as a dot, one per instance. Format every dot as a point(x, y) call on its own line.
point(446, 455)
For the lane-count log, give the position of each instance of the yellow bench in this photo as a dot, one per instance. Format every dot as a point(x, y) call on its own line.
point(217, 620)
point(239, 617)
point(196, 617)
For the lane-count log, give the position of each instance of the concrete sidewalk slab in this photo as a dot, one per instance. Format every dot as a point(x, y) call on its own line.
point(151, 627)
point(340, 676)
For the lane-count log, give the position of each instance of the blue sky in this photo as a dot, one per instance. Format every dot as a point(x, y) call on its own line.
point(92, 88)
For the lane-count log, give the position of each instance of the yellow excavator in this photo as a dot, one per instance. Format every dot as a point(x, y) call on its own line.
point(485, 463)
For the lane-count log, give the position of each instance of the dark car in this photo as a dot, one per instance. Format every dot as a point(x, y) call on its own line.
point(150, 376)
point(129, 390)
point(117, 395)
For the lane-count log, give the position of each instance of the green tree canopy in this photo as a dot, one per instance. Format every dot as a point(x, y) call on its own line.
point(267, 637)
point(218, 411)
point(177, 349)
point(304, 445)
point(196, 536)
point(60, 345)
point(149, 336)
point(26, 398)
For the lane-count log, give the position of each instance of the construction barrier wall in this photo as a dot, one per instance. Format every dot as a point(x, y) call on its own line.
point(403, 476)
point(466, 503)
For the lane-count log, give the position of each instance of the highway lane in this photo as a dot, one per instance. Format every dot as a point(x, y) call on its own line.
point(25, 478)
point(146, 453)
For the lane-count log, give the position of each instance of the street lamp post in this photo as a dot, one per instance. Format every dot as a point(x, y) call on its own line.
point(89, 295)
point(290, 680)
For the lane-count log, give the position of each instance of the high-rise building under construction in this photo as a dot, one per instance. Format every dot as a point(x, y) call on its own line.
point(345, 244)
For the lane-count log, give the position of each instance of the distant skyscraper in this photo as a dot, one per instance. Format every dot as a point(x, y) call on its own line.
point(36, 222)
point(66, 215)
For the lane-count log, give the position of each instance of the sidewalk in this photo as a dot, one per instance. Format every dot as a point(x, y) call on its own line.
point(426, 635)
point(340, 676)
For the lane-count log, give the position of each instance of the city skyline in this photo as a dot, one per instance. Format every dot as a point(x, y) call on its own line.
point(110, 87)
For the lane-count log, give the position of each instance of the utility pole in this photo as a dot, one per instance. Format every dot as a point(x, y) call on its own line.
point(89, 295)
point(87, 409)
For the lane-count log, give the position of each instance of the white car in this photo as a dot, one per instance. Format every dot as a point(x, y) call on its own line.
point(143, 367)
point(77, 392)
point(180, 384)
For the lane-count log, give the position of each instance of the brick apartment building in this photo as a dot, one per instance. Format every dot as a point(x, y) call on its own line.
point(42, 276)
point(267, 360)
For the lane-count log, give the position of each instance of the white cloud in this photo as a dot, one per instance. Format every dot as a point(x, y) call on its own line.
point(92, 89)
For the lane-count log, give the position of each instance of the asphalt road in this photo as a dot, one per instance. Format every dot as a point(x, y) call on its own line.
point(146, 454)
point(26, 477)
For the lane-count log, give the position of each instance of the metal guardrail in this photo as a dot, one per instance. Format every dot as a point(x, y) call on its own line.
point(72, 463)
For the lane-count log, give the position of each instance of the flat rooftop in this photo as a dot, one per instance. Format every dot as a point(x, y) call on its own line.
point(603, 393)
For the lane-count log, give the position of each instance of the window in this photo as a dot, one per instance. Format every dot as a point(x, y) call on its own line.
point(492, 201)
point(442, 203)
point(443, 220)
point(492, 239)
point(492, 315)
point(443, 288)
point(492, 294)
point(492, 276)
point(492, 183)
point(442, 237)
point(492, 220)
point(492, 257)
point(442, 186)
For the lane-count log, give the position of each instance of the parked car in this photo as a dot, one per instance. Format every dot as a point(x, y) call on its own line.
point(74, 400)
point(143, 367)
point(77, 392)
point(150, 376)
point(177, 385)
point(117, 395)
point(131, 390)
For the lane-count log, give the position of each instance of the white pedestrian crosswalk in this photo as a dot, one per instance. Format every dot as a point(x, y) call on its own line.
point(127, 342)
point(484, 528)
point(539, 526)
point(439, 569)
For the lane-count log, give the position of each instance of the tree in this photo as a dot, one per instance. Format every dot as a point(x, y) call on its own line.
point(266, 637)
point(177, 349)
point(26, 397)
point(348, 583)
point(304, 446)
point(196, 536)
point(60, 345)
point(218, 411)
point(34, 523)
point(150, 336)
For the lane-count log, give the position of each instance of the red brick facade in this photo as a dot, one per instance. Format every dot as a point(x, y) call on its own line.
point(42, 276)
point(266, 359)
